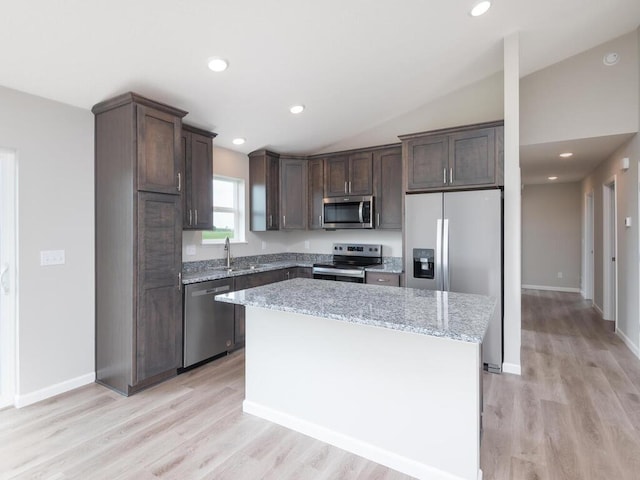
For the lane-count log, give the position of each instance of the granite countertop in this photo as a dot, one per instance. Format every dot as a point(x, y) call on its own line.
point(458, 316)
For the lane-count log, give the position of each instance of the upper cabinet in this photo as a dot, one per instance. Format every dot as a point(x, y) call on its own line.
point(293, 193)
point(462, 157)
point(316, 192)
point(387, 191)
point(159, 156)
point(197, 204)
point(348, 174)
point(264, 190)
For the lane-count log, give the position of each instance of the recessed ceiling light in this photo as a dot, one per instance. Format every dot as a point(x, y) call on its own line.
point(610, 59)
point(552, 178)
point(218, 64)
point(296, 109)
point(566, 155)
point(238, 141)
point(480, 8)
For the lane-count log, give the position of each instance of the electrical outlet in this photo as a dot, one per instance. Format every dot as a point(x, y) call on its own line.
point(191, 249)
point(264, 245)
point(306, 244)
point(559, 274)
point(51, 257)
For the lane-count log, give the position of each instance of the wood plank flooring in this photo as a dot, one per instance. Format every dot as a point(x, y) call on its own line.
point(573, 414)
point(575, 411)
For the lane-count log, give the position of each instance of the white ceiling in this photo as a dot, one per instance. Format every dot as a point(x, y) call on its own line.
point(355, 64)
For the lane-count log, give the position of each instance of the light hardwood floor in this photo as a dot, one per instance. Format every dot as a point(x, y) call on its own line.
point(573, 414)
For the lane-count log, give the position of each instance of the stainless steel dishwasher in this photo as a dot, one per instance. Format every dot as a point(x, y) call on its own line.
point(208, 325)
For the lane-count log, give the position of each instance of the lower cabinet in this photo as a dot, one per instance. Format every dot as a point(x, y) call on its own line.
point(383, 278)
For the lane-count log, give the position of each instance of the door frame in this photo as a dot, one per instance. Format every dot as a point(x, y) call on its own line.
point(588, 264)
point(609, 250)
point(8, 259)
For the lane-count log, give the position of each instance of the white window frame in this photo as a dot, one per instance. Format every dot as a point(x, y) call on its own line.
point(238, 211)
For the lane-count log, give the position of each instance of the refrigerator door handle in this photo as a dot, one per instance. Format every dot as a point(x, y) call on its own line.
point(438, 259)
point(445, 255)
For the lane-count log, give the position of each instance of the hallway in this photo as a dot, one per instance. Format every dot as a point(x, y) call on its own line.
point(575, 411)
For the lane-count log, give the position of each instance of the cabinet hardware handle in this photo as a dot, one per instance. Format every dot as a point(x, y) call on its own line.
point(349, 186)
point(345, 187)
point(179, 182)
point(451, 175)
point(179, 281)
point(382, 280)
point(378, 218)
point(284, 221)
point(196, 216)
point(320, 219)
point(444, 175)
point(270, 220)
point(190, 217)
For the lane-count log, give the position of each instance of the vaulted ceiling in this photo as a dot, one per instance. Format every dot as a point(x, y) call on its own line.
point(354, 64)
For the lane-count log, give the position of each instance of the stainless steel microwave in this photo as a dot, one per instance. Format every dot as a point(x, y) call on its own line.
point(347, 212)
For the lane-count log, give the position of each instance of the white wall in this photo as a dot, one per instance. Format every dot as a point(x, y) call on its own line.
point(627, 257)
point(551, 232)
point(54, 144)
point(479, 102)
point(233, 164)
point(580, 97)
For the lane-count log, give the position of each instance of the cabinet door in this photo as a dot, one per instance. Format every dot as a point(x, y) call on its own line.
point(387, 174)
point(383, 278)
point(427, 162)
point(200, 182)
point(473, 158)
point(293, 194)
point(316, 193)
point(336, 176)
point(159, 156)
point(159, 310)
point(360, 174)
point(273, 193)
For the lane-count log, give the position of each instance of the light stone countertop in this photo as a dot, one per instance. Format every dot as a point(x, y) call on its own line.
point(457, 316)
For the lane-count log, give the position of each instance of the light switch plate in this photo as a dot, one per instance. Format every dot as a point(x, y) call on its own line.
point(191, 249)
point(306, 244)
point(627, 221)
point(51, 257)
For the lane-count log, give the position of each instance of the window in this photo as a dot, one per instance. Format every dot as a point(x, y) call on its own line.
point(228, 211)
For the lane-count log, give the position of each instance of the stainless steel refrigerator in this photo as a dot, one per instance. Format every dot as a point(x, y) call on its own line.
point(453, 242)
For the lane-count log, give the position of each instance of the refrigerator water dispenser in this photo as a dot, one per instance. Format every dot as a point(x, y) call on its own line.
point(423, 264)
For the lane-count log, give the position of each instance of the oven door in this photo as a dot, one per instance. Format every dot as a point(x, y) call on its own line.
point(339, 274)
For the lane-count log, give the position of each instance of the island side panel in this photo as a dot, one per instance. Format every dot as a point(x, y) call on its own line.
point(408, 401)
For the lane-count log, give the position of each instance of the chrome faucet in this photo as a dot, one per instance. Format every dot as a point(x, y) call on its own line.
point(227, 248)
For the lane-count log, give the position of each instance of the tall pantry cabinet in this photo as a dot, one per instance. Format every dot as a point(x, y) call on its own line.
point(138, 183)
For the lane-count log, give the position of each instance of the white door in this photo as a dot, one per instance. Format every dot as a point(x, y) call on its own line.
point(7, 277)
point(609, 241)
point(587, 254)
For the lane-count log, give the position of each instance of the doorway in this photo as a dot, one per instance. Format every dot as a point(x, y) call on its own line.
point(609, 251)
point(587, 254)
point(8, 255)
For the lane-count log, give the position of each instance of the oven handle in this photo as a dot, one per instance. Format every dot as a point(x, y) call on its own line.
point(342, 272)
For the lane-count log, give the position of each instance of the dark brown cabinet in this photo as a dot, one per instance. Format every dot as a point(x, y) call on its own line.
point(316, 193)
point(470, 156)
point(293, 193)
point(348, 174)
point(197, 205)
point(138, 242)
point(264, 190)
point(387, 188)
point(298, 272)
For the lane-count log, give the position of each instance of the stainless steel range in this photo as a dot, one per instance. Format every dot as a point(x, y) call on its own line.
point(349, 262)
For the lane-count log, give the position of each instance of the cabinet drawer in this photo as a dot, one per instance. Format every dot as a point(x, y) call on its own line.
point(380, 278)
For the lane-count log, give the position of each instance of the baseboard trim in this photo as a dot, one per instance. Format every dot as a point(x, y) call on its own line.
point(512, 368)
point(53, 390)
point(350, 444)
point(551, 289)
point(627, 341)
point(598, 309)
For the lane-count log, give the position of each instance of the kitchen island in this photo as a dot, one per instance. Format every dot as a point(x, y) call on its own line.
point(391, 374)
